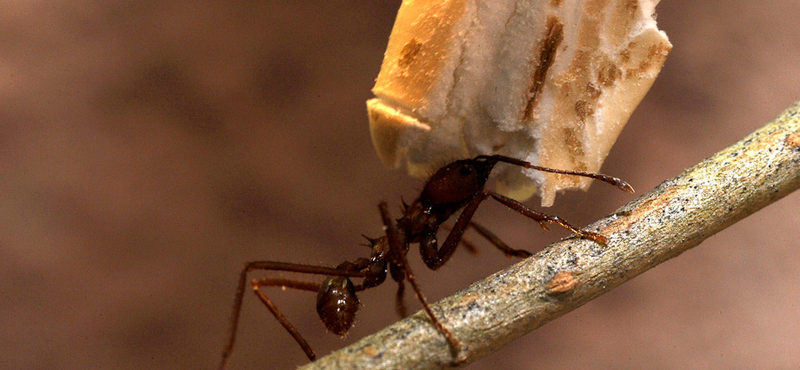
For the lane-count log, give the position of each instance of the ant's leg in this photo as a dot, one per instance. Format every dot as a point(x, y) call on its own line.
point(273, 266)
point(398, 275)
point(399, 254)
point(399, 301)
point(436, 258)
point(492, 238)
point(541, 218)
point(502, 246)
point(294, 284)
point(471, 248)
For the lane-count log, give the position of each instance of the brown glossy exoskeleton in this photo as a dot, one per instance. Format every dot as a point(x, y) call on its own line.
point(460, 184)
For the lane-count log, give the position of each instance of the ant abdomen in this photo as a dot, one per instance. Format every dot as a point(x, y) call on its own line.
point(337, 304)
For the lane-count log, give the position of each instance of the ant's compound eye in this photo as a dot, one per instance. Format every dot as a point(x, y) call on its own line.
point(465, 171)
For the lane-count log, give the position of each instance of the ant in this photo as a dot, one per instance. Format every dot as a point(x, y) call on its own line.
point(457, 185)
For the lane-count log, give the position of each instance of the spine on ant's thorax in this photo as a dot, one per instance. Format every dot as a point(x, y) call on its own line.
point(552, 82)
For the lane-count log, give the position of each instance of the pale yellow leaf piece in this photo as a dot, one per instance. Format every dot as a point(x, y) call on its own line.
point(551, 82)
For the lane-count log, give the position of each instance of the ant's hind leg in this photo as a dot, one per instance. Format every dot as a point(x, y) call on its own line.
point(274, 266)
point(541, 218)
point(284, 283)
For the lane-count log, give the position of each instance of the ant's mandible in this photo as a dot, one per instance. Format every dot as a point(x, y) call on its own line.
point(457, 185)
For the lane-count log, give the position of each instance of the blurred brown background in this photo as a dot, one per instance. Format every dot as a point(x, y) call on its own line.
point(149, 148)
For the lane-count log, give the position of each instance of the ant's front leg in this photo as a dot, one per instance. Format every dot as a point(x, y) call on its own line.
point(435, 257)
point(542, 218)
point(398, 273)
point(468, 245)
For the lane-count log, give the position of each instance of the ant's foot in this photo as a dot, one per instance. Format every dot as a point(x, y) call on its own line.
point(460, 356)
point(597, 238)
point(521, 253)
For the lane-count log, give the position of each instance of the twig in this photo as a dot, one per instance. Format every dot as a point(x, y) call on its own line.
point(672, 218)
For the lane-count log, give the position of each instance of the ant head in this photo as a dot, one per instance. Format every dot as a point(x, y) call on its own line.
point(457, 182)
point(337, 304)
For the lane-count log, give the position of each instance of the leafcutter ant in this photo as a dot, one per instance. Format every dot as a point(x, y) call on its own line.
point(457, 185)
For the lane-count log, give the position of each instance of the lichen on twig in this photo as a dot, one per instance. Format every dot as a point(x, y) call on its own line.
point(670, 219)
